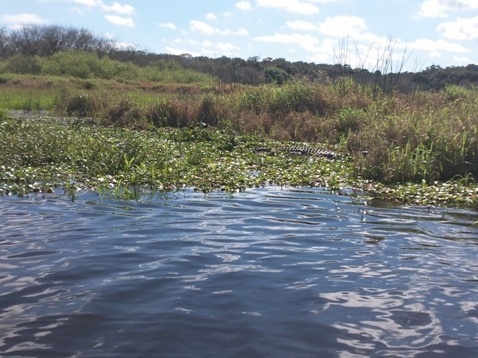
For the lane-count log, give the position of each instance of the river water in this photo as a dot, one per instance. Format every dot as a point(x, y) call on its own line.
point(265, 273)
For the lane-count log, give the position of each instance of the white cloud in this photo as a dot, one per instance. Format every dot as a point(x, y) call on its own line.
point(19, 20)
point(88, 3)
point(244, 5)
point(436, 48)
point(167, 25)
point(297, 6)
point(307, 42)
point(319, 50)
point(331, 49)
point(206, 44)
point(433, 8)
point(179, 51)
point(227, 47)
point(77, 10)
point(342, 26)
point(125, 45)
point(201, 27)
point(460, 29)
point(462, 59)
point(211, 16)
point(206, 29)
point(441, 8)
point(336, 26)
point(203, 48)
point(118, 8)
point(118, 20)
point(301, 25)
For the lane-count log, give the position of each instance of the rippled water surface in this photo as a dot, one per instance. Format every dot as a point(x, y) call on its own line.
point(265, 273)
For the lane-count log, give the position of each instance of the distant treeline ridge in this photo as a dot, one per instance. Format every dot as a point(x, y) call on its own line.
point(48, 40)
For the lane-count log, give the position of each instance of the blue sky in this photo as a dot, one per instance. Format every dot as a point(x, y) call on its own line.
point(363, 33)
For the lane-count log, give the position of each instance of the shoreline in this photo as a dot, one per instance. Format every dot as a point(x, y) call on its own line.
point(204, 159)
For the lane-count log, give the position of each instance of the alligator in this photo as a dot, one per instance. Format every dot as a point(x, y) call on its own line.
point(303, 151)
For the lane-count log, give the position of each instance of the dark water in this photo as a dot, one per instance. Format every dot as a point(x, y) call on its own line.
point(266, 273)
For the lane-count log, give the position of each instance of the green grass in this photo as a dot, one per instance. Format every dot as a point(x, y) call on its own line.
point(46, 152)
point(56, 153)
point(412, 141)
point(28, 100)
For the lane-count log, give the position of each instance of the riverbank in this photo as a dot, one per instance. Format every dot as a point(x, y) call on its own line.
point(409, 137)
point(129, 138)
point(45, 153)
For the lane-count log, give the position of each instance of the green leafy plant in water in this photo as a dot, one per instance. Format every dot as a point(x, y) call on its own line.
point(70, 191)
point(3, 114)
point(127, 162)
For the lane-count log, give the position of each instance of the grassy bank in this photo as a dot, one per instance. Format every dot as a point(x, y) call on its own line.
point(50, 153)
point(123, 134)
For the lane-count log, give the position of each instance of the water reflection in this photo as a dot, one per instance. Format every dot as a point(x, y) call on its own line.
point(268, 272)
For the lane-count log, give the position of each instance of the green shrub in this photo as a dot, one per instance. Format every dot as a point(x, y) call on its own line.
point(350, 119)
point(454, 92)
point(23, 64)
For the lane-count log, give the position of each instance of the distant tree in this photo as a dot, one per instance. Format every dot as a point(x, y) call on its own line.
point(22, 51)
point(4, 43)
point(47, 40)
point(250, 75)
point(253, 60)
point(25, 41)
point(275, 75)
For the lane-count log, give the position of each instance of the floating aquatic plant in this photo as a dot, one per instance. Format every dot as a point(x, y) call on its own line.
point(48, 153)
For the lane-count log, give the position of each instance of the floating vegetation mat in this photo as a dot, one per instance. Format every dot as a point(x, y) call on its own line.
point(44, 154)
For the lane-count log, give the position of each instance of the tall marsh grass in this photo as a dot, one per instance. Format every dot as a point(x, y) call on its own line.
point(423, 136)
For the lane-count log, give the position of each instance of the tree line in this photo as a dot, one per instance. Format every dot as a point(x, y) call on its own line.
point(48, 40)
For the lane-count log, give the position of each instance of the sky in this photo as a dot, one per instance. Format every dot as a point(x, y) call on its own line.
point(390, 35)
